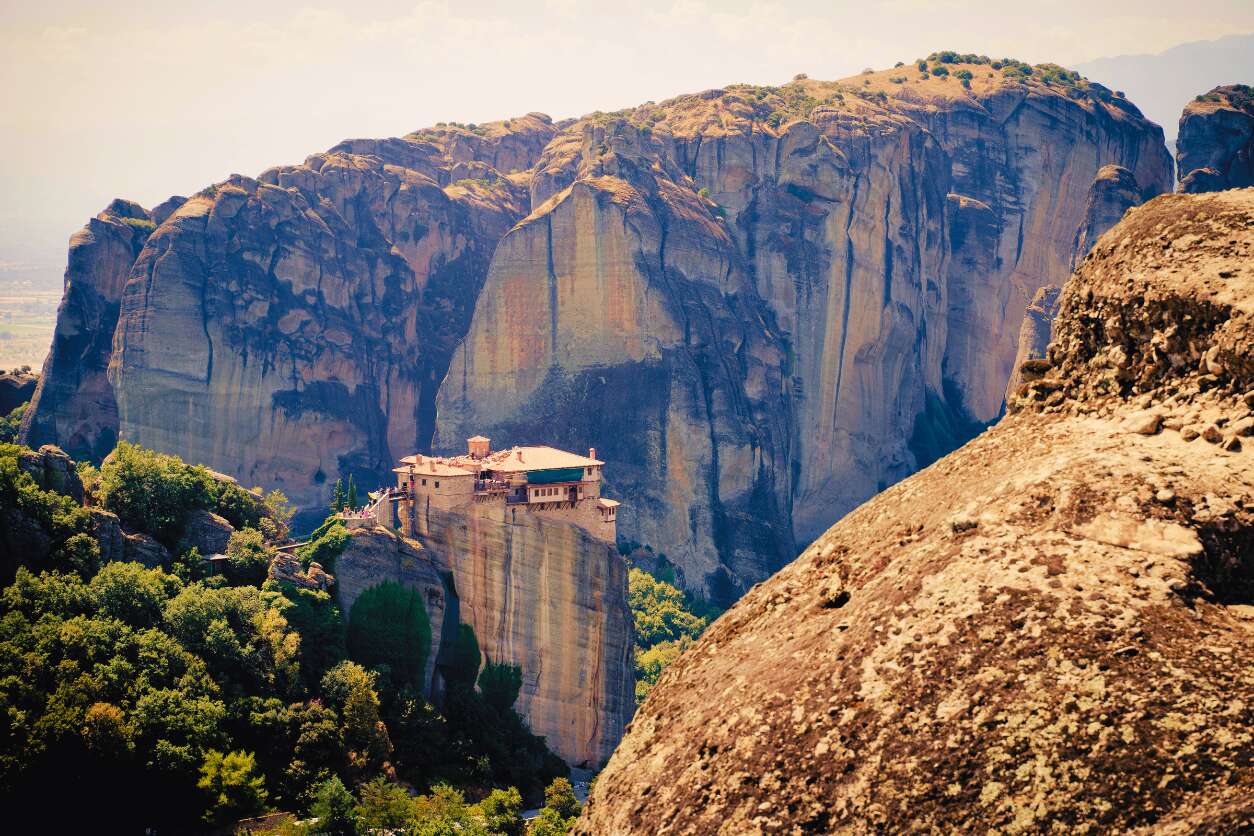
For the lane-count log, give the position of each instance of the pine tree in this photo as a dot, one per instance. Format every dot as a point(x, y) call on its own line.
point(352, 493)
point(338, 497)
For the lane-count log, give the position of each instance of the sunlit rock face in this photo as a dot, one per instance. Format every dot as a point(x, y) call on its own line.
point(551, 599)
point(761, 305)
point(1215, 149)
point(1048, 629)
point(759, 327)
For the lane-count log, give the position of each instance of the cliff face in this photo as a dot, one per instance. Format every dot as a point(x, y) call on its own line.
point(553, 600)
point(761, 305)
point(1051, 628)
point(1113, 192)
point(375, 555)
point(755, 359)
point(290, 329)
point(1215, 150)
point(74, 405)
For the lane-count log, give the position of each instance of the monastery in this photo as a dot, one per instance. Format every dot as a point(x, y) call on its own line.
point(498, 485)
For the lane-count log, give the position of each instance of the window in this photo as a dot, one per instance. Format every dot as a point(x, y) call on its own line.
point(424, 483)
point(437, 484)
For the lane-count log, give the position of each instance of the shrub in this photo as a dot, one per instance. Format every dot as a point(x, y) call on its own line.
point(11, 423)
point(939, 70)
point(922, 65)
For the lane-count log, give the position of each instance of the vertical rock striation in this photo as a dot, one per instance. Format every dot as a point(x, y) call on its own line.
point(1048, 630)
point(761, 304)
point(757, 358)
point(1215, 149)
point(551, 599)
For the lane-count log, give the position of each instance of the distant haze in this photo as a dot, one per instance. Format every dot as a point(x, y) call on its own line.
point(147, 99)
point(1161, 84)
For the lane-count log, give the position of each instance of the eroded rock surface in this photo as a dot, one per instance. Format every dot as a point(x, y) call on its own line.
point(374, 555)
point(761, 304)
point(1215, 150)
point(1052, 628)
point(16, 388)
point(551, 599)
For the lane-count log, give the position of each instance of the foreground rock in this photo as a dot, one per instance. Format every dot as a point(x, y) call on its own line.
point(1052, 628)
point(1215, 150)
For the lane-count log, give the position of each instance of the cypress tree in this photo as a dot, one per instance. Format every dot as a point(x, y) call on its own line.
point(338, 497)
point(352, 493)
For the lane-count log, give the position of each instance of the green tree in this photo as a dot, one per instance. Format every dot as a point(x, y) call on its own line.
point(549, 823)
point(351, 497)
point(334, 809)
point(11, 423)
point(502, 812)
point(388, 625)
point(152, 491)
point(464, 668)
point(349, 689)
point(559, 797)
point(659, 610)
point(326, 544)
point(500, 682)
point(233, 788)
point(338, 497)
point(383, 807)
point(249, 557)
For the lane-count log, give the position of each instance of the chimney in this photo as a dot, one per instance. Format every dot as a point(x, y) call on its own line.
point(592, 452)
point(520, 454)
point(418, 458)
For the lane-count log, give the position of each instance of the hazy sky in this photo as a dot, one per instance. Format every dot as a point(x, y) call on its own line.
point(148, 99)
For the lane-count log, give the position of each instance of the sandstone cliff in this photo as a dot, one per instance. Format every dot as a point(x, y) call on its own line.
point(375, 555)
point(761, 304)
point(1050, 629)
point(753, 300)
point(553, 600)
point(1215, 150)
point(289, 329)
point(74, 405)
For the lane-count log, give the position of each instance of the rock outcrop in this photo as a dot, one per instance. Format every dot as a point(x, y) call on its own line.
point(16, 388)
point(206, 532)
point(769, 293)
point(551, 599)
point(1215, 150)
point(374, 555)
point(286, 568)
point(753, 301)
point(1113, 192)
point(1051, 628)
point(74, 405)
point(53, 470)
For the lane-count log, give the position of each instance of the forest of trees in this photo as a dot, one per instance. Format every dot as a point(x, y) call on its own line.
point(173, 698)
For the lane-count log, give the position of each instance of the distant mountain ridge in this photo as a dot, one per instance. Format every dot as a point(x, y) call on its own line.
point(1161, 83)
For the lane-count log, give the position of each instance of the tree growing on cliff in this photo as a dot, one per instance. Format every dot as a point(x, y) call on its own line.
point(388, 627)
point(500, 682)
point(338, 497)
point(351, 496)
